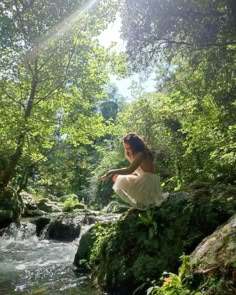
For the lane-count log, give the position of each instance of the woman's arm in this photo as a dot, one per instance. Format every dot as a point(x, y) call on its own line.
point(138, 158)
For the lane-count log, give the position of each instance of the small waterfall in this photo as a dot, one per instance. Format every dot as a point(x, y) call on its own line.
point(20, 231)
point(43, 234)
point(32, 265)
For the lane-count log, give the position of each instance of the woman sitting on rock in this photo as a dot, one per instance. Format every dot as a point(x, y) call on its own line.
point(137, 184)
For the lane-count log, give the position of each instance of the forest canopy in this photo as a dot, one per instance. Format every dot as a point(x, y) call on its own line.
point(62, 119)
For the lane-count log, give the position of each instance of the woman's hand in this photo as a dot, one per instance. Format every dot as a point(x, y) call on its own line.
point(107, 175)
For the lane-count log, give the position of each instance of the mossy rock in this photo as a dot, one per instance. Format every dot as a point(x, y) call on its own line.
point(85, 246)
point(49, 206)
point(11, 206)
point(142, 245)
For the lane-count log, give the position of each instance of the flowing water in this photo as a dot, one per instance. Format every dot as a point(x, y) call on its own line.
point(29, 265)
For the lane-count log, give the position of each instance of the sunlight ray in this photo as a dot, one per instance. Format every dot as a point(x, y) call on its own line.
point(61, 28)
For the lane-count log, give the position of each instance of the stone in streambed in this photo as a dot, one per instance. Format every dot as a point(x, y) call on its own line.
point(63, 228)
point(41, 223)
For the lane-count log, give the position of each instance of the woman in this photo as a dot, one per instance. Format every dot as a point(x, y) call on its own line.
point(137, 184)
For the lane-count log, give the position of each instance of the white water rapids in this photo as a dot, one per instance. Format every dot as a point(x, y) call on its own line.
point(29, 265)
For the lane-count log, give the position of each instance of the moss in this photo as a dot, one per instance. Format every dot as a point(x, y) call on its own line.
point(11, 206)
point(85, 246)
point(142, 245)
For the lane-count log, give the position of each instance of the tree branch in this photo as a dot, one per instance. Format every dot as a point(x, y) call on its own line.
point(184, 43)
point(63, 80)
point(10, 97)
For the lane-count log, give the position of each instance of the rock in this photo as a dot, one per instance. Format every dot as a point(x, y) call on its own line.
point(33, 213)
point(85, 246)
point(6, 217)
point(41, 223)
point(74, 207)
point(144, 244)
point(11, 206)
point(79, 206)
point(49, 206)
point(213, 262)
point(64, 228)
point(199, 189)
point(30, 206)
point(28, 201)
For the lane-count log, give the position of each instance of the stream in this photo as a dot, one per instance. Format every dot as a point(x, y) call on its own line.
point(29, 265)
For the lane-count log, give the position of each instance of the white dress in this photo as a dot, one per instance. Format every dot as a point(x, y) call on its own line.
point(141, 189)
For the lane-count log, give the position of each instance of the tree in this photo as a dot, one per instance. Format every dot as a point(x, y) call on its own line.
point(192, 47)
point(152, 28)
point(52, 74)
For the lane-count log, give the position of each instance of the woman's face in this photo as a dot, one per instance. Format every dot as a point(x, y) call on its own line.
point(126, 146)
point(127, 149)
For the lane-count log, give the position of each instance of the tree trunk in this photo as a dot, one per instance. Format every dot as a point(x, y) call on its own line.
point(8, 173)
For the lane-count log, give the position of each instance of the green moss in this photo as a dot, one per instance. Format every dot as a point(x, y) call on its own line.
point(71, 202)
point(141, 245)
point(11, 206)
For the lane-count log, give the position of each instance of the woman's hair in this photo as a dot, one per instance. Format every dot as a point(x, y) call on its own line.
point(137, 144)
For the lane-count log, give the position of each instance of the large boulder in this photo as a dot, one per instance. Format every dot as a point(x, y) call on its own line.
point(213, 262)
point(142, 245)
point(65, 228)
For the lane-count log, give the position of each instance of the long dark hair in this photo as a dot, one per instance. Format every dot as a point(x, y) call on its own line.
point(137, 144)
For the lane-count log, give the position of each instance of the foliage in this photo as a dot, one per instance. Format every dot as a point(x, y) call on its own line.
point(62, 121)
point(70, 203)
point(52, 74)
point(185, 135)
point(147, 218)
point(156, 28)
point(190, 120)
point(172, 283)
